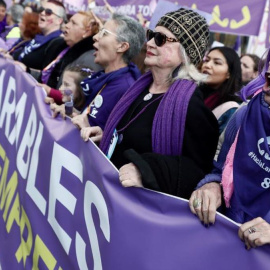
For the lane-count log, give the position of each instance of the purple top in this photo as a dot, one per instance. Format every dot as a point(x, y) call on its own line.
point(236, 211)
point(103, 91)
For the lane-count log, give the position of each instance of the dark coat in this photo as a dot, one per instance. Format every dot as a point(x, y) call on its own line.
point(42, 56)
point(72, 54)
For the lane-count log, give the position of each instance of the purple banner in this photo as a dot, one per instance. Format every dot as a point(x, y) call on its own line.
point(236, 17)
point(62, 206)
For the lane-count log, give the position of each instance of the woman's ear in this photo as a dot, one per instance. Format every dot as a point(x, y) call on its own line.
point(88, 32)
point(124, 46)
point(255, 74)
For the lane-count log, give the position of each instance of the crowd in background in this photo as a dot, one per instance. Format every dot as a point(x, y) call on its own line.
point(162, 104)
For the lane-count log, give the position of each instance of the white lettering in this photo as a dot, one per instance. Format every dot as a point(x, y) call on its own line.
point(26, 144)
point(9, 106)
point(30, 186)
point(92, 195)
point(62, 158)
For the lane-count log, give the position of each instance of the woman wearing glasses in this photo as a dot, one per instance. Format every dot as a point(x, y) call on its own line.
point(115, 45)
point(160, 134)
point(40, 52)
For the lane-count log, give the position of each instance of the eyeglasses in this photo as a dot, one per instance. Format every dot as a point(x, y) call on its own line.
point(102, 32)
point(48, 11)
point(160, 39)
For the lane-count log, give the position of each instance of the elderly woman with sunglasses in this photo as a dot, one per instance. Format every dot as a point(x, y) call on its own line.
point(160, 134)
point(40, 52)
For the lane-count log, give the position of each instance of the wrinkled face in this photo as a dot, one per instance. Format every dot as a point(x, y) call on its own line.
point(247, 68)
point(74, 29)
point(69, 83)
point(2, 13)
point(167, 56)
point(216, 67)
point(47, 22)
point(106, 45)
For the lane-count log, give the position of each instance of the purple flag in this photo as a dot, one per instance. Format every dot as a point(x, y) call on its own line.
point(236, 17)
point(62, 206)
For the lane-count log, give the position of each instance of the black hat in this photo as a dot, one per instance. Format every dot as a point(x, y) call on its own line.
point(191, 29)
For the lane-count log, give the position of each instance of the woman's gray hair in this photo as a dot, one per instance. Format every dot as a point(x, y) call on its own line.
point(62, 13)
point(131, 31)
point(16, 12)
point(187, 70)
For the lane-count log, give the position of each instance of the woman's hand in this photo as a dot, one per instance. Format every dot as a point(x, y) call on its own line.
point(94, 133)
point(130, 176)
point(255, 233)
point(48, 100)
point(80, 121)
point(205, 201)
point(56, 109)
point(23, 66)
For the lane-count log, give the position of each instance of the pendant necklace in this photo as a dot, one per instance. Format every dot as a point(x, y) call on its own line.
point(148, 96)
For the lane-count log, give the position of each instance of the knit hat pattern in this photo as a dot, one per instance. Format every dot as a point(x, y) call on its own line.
point(191, 29)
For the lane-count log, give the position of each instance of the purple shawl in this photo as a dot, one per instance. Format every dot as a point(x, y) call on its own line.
point(251, 169)
point(169, 121)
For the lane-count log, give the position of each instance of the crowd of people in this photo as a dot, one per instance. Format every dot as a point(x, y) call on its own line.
point(171, 113)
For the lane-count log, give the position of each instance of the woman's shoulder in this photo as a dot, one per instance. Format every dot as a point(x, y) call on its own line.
point(226, 108)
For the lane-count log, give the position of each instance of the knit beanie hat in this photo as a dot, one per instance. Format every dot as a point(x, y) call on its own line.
point(191, 29)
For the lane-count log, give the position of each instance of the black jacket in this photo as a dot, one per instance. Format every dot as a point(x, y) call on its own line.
point(42, 56)
point(177, 175)
point(72, 54)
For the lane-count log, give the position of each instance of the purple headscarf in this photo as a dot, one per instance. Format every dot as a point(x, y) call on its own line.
point(169, 121)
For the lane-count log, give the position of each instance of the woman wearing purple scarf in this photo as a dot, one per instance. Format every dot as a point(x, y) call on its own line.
point(160, 134)
point(241, 173)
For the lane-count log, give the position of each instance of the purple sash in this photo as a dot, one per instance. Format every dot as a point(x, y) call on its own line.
point(46, 72)
point(38, 41)
point(252, 161)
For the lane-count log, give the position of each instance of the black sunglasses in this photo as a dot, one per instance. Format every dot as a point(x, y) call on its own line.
point(160, 39)
point(48, 11)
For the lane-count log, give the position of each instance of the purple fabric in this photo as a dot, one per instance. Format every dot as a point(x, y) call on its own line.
point(252, 151)
point(112, 86)
point(8, 28)
point(169, 121)
point(235, 17)
point(3, 24)
point(62, 205)
point(38, 41)
point(18, 45)
point(92, 85)
point(46, 72)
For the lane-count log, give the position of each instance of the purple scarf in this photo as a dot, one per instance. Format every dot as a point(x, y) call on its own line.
point(251, 170)
point(37, 42)
point(46, 72)
point(169, 121)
